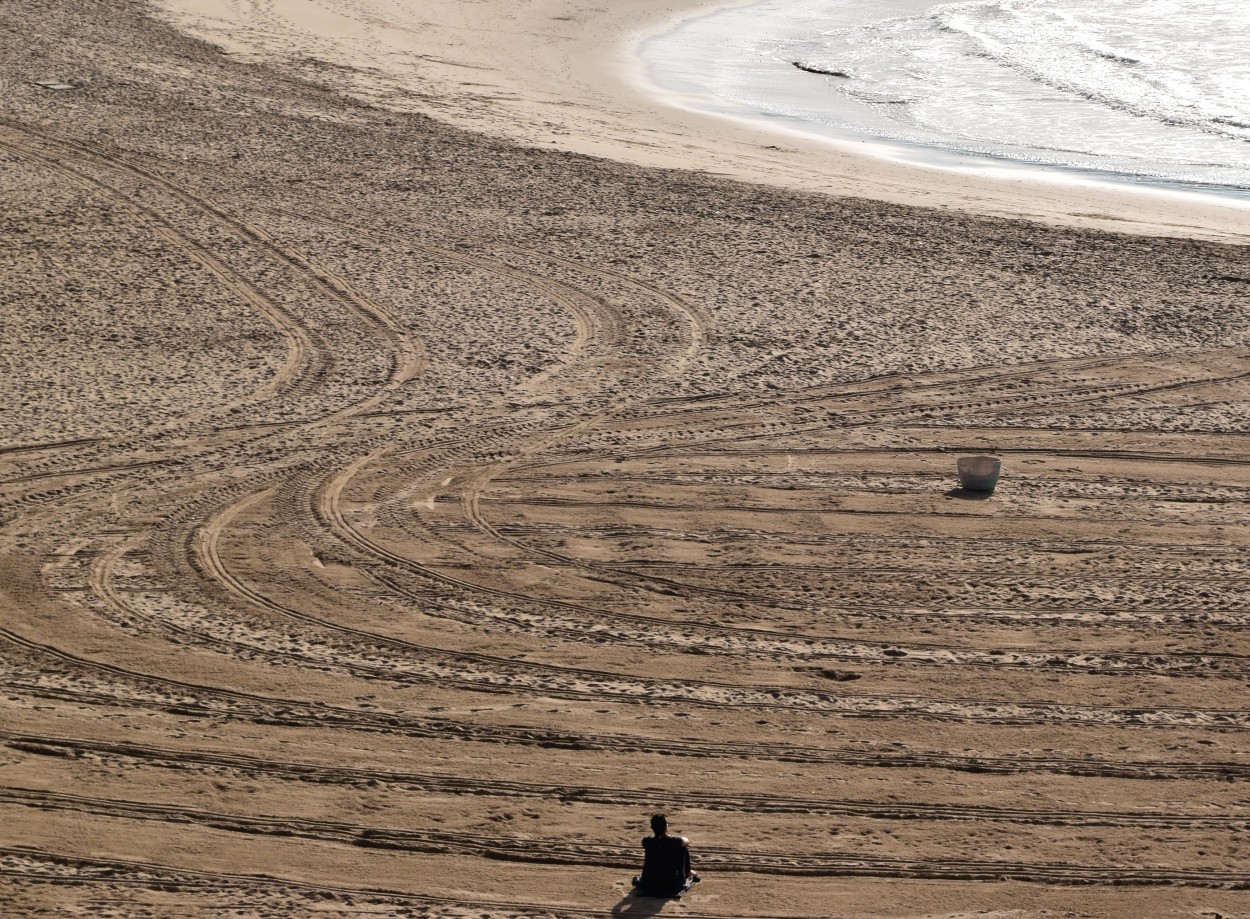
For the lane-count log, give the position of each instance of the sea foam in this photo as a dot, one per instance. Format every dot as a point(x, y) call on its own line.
point(1141, 88)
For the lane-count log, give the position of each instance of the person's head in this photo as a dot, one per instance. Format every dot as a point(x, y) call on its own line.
point(659, 825)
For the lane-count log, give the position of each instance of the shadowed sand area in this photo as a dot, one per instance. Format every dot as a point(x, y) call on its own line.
point(393, 515)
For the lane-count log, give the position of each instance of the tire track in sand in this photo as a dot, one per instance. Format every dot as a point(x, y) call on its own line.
point(557, 851)
point(215, 762)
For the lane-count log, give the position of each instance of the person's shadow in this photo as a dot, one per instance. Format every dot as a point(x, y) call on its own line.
point(634, 905)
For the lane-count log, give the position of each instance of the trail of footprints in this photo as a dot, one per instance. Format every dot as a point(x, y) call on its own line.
point(798, 552)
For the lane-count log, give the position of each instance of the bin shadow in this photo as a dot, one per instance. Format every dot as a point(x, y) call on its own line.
point(964, 494)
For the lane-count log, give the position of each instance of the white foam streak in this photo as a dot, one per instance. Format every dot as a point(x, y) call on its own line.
point(1156, 66)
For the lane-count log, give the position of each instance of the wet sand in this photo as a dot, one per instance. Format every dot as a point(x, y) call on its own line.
point(393, 516)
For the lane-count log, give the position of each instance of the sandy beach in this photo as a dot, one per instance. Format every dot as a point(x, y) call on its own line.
point(566, 75)
point(425, 455)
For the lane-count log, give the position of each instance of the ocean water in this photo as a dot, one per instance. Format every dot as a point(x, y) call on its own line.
point(1147, 90)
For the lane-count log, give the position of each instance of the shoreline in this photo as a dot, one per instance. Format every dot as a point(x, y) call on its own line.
point(682, 64)
point(703, 67)
point(574, 80)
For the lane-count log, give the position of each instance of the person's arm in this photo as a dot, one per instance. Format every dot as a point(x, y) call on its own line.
point(684, 841)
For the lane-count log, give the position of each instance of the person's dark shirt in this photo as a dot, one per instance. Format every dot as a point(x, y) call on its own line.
point(664, 864)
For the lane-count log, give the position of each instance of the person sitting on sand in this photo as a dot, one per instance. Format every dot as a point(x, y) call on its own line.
point(666, 862)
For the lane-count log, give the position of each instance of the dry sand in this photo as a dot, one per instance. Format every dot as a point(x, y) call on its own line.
point(392, 516)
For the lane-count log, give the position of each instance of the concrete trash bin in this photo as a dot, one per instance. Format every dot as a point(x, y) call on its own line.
point(979, 473)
